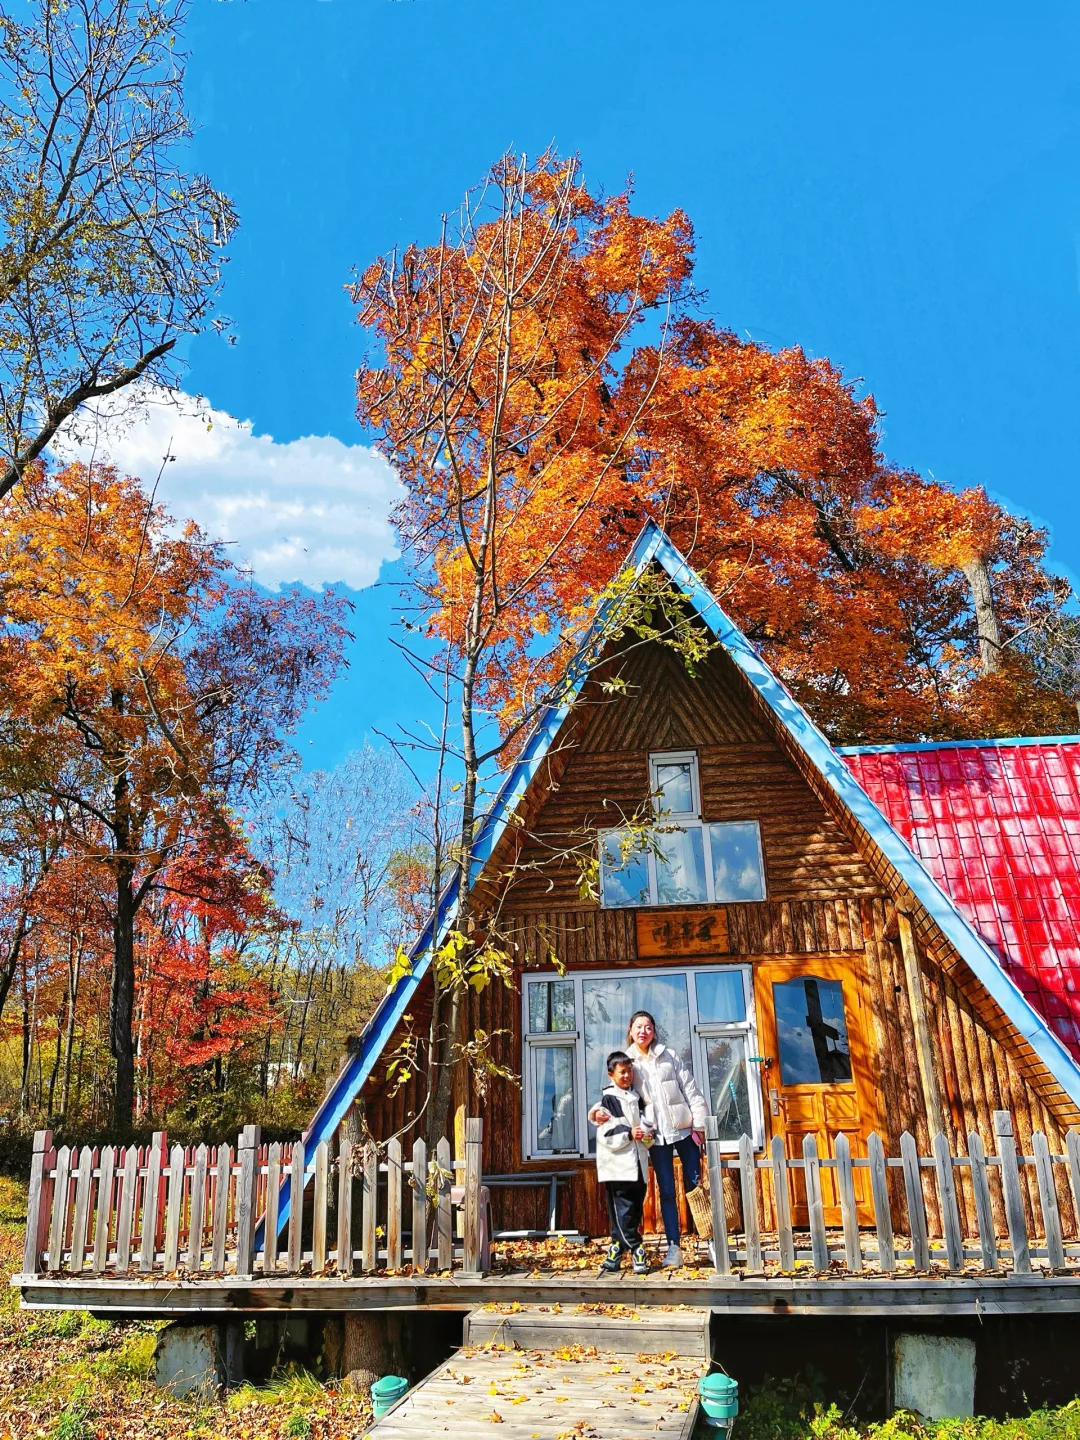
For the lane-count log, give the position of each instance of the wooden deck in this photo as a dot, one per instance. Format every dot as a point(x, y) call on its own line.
point(539, 1375)
point(779, 1295)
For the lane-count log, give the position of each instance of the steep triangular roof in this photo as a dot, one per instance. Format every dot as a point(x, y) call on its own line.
point(823, 765)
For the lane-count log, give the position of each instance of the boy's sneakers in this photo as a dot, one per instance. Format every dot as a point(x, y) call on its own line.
point(641, 1265)
point(613, 1259)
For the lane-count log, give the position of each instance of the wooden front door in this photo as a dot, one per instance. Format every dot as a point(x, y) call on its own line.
point(814, 1029)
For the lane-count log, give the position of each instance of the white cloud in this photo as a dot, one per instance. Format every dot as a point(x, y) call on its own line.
point(313, 510)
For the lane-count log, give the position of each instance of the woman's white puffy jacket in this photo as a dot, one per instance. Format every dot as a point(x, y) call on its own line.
point(676, 1105)
point(618, 1155)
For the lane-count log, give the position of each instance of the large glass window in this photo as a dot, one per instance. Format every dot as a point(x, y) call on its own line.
point(811, 1031)
point(573, 1022)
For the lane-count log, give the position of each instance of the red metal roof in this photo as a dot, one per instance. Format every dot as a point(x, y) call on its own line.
point(997, 824)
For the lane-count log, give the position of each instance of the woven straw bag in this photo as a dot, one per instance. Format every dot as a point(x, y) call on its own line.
point(700, 1202)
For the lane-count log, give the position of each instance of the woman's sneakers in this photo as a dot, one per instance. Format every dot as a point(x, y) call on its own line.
point(673, 1258)
point(641, 1265)
point(613, 1259)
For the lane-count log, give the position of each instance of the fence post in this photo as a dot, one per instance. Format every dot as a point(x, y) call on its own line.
point(39, 1206)
point(751, 1228)
point(345, 1206)
point(1044, 1171)
point(394, 1173)
point(1010, 1184)
point(419, 1206)
point(819, 1242)
point(474, 1131)
point(445, 1218)
point(151, 1202)
point(721, 1255)
point(916, 1207)
point(782, 1201)
point(247, 1154)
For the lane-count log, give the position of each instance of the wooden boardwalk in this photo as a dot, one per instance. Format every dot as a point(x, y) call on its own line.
point(570, 1389)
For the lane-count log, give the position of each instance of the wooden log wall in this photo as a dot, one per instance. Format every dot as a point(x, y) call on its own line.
point(829, 893)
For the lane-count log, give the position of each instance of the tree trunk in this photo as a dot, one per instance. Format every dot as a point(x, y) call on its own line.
point(122, 997)
point(371, 1348)
point(977, 574)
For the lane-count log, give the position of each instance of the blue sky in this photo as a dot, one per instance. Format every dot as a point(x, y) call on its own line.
point(896, 187)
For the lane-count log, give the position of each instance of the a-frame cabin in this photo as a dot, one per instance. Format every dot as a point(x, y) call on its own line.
point(793, 949)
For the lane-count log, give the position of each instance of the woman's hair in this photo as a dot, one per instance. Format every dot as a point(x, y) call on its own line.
point(639, 1015)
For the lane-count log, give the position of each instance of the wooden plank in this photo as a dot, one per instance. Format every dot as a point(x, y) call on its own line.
point(721, 1254)
point(420, 1209)
point(849, 1215)
point(39, 1202)
point(345, 1207)
point(106, 1186)
point(445, 1216)
point(80, 1225)
point(950, 1212)
point(197, 1216)
point(246, 1209)
point(394, 1173)
point(782, 1200)
point(296, 1208)
point(129, 1179)
point(471, 1258)
point(751, 1226)
point(222, 1186)
point(151, 1201)
point(924, 1049)
point(819, 1243)
point(369, 1217)
point(1072, 1151)
point(60, 1208)
point(879, 1190)
point(1010, 1184)
point(1044, 1174)
point(270, 1217)
point(322, 1195)
point(984, 1210)
point(916, 1206)
point(174, 1207)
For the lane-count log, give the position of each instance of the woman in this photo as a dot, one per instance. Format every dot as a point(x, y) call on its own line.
point(677, 1109)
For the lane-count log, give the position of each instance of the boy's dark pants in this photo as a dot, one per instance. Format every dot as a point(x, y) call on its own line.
point(625, 1202)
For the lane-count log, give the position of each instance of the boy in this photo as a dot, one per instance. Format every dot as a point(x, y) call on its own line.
point(622, 1162)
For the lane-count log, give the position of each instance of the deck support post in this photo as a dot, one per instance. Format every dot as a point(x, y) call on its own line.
point(934, 1375)
point(199, 1360)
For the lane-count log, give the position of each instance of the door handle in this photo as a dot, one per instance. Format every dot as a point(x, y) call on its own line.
point(774, 1102)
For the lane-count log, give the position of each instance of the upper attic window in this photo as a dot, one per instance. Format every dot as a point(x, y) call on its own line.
point(682, 861)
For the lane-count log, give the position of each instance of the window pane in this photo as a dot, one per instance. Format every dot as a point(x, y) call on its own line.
point(551, 1006)
point(675, 782)
point(680, 867)
point(607, 1005)
point(624, 874)
point(553, 1074)
point(736, 861)
point(729, 1095)
point(811, 1031)
point(720, 996)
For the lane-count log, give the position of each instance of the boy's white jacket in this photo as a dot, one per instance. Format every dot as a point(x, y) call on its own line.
point(618, 1155)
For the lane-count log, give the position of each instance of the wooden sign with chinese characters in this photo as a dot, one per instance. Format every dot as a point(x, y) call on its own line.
point(681, 932)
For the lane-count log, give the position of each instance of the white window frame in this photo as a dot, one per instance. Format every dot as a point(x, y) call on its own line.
point(676, 757)
point(701, 1031)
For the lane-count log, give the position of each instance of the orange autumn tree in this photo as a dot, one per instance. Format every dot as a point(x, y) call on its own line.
point(150, 689)
point(542, 381)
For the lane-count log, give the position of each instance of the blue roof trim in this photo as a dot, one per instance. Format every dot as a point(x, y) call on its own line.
point(653, 545)
point(914, 746)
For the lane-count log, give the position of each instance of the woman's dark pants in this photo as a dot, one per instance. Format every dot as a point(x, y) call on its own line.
point(625, 1202)
point(662, 1159)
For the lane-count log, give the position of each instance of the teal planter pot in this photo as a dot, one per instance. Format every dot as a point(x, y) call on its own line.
point(719, 1398)
point(386, 1392)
